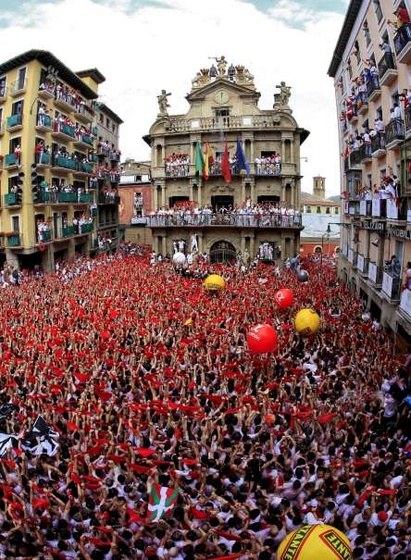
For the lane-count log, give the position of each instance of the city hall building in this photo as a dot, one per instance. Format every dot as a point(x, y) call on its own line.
point(226, 175)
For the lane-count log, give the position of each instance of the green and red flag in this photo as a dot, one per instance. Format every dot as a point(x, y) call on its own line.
point(161, 501)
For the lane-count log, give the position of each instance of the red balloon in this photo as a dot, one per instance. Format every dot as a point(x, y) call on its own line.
point(262, 339)
point(284, 298)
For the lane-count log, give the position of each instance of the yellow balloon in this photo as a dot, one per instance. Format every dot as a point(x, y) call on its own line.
point(307, 321)
point(214, 283)
point(315, 542)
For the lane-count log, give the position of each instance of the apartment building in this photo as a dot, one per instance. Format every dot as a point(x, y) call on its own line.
point(371, 70)
point(58, 158)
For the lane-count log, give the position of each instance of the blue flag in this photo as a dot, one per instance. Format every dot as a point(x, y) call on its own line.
point(241, 160)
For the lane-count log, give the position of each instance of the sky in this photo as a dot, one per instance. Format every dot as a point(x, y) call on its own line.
point(144, 46)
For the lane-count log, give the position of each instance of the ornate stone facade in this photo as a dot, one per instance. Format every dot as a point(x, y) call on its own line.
point(230, 161)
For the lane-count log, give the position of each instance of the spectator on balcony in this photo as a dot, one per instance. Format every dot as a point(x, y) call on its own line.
point(378, 125)
point(17, 154)
point(385, 47)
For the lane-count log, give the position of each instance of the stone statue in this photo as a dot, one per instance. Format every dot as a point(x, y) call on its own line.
point(196, 81)
point(285, 93)
point(163, 103)
point(221, 64)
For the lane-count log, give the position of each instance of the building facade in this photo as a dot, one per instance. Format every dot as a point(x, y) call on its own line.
point(321, 221)
point(53, 168)
point(371, 70)
point(226, 175)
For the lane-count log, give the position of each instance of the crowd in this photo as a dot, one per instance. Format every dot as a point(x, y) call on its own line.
point(267, 214)
point(142, 378)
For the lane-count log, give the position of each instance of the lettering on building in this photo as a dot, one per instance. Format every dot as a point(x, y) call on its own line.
point(401, 233)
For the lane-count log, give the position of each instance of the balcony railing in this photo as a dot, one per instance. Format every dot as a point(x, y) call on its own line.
point(61, 161)
point(18, 86)
point(65, 129)
point(378, 144)
point(375, 274)
point(14, 120)
point(379, 208)
point(62, 197)
point(178, 124)
point(394, 132)
point(10, 160)
point(391, 285)
point(44, 121)
point(67, 231)
point(43, 158)
point(225, 220)
point(108, 198)
point(402, 43)
point(12, 199)
point(387, 69)
point(362, 264)
point(85, 228)
point(373, 87)
point(85, 197)
point(365, 208)
point(13, 240)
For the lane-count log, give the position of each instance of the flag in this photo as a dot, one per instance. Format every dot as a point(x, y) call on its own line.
point(6, 410)
point(241, 160)
point(225, 165)
point(199, 162)
point(208, 159)
point(41, 439)
point(6, 442)
point(161, 501)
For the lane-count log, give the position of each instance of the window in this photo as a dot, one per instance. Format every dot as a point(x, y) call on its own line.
point(378, 11)
point(3, 81)
point(349, 68)
point(17, 108)
point(328, 210)
point(15, 224)
point(336, 210)
point(366, 33)
point(318, 209)
point(21, 79)
point(107, 123)
point(14, 142)
point(101, 118)
point(308, 209)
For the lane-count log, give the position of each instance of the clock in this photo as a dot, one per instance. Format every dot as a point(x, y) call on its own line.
point(222, 96)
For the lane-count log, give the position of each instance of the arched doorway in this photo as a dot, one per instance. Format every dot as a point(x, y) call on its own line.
point(222, 252)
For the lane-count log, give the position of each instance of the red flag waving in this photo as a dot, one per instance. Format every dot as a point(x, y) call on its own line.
point(225, 165)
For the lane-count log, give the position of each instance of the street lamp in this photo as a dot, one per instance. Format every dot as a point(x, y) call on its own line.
point(326, 235)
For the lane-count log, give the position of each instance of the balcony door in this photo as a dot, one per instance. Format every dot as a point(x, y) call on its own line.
point(222, 202)
point(178, 200)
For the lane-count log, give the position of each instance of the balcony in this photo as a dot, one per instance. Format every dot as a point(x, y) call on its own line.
point(14, 122)
point(375, 275)
point(214, 219)
point(402, 43)
point(108, 198)
point(379, 208)
point(18, 87)
point(63, 162)
point(10, 160)
point(3, 92)
point(394, 211)
point(366, 152)
point(373, 87)
point(85, 228)
point(365, 208)
point(394, 133)
point(63, 132)
point(84, 113)
point(362, 103)
point(114, 156)
point(63, 103)
point(84, 141)
point(378, 145)
point(46, 91)
point(83, 168)
point(391, 286)
point(44, 123)
point(407, 121)
point(362, 264)
point(353, 161)
point(68, 231)
point(387, 69)
point(42, 159)
point(13, 240)
point(85, 198)
point(58, 197)
point(405, 304)
point(12, 199)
